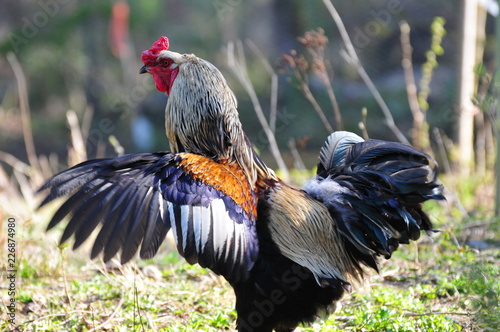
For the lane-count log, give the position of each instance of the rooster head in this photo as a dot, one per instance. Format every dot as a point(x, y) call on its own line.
point(162, 64)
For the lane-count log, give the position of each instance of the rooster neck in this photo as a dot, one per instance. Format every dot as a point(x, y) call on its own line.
point(201, 117)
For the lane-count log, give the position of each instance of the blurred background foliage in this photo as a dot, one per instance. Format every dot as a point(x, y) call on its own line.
point(85, 56)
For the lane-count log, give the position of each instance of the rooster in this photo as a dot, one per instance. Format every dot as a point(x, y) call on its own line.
point(287, 253)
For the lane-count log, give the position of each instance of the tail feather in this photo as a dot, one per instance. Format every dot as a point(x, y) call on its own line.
point(374, 190)
point(334, 150)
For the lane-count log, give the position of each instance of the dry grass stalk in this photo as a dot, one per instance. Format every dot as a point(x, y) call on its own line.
point(418, 130)
point(25, 116)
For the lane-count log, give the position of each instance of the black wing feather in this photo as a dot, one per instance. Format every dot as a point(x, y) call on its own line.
point(117, 204)
point(93, 212)
point(136, 230)
point(138, 197)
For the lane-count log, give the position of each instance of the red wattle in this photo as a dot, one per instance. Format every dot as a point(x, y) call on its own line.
point(164, 78)
point(161, 84)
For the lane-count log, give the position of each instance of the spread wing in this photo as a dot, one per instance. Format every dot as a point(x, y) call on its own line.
point(138, 198)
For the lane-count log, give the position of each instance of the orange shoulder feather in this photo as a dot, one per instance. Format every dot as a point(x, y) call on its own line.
point(227, 177)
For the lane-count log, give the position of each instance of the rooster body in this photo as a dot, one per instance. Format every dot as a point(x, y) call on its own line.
point(287, 253)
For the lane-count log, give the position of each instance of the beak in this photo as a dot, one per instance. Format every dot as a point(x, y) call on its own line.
point(144, 69)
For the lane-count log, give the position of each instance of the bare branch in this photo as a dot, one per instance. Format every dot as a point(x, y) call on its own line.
point(237, 64)
point(299, 66)
point(351, 57)
point(315, 41)
point(362, 123)
point(411, 86)
point(273, 107)
point(308, 94)
point(406, 63)
point(298, 162)
point(87, 122)
point(335, 104)
point(77, 153)
point(442, 150)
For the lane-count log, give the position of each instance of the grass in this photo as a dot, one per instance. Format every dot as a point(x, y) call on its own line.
point(136, 297)
point(435, 286)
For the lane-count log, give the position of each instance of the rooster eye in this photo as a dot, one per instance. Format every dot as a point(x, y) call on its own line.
point(166, 62)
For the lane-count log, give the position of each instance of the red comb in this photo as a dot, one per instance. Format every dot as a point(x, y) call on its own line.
point(150, 55)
